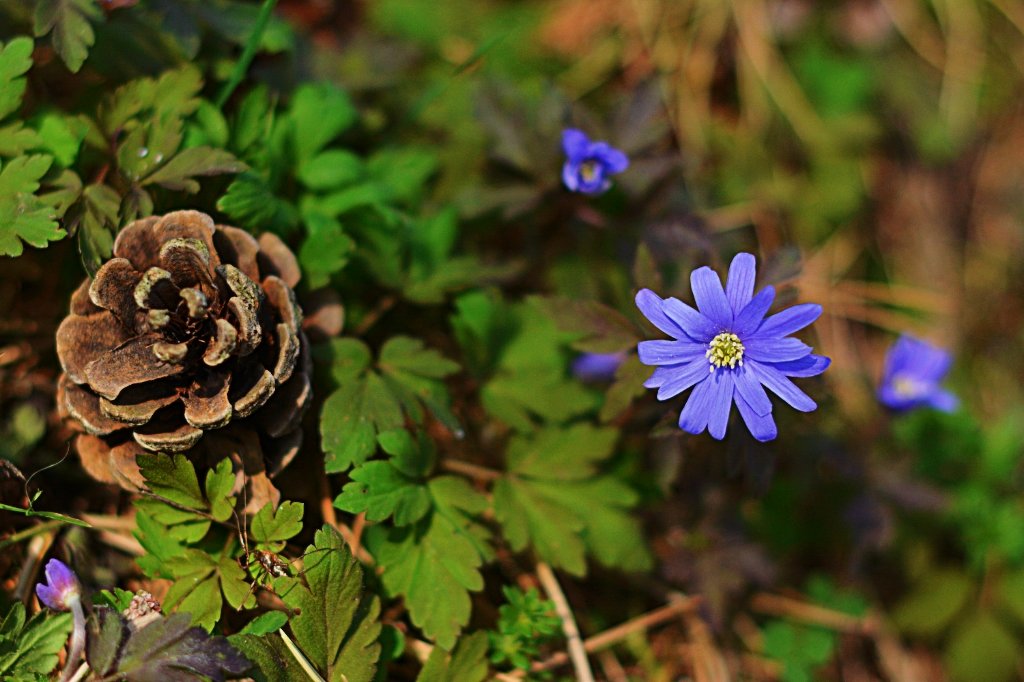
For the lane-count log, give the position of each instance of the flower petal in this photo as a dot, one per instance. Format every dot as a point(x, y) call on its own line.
point(775, 350)
point(683, 377)
point(761, 426)
point(807, 366)
point(721, 404)
point(575, 143)
point(653, 308)
point(739, 287)
point(614, 160)
point(710, 297)
point(570, 175)
point(750, 388)
point(660, 375)
point(944, 400)
point(49, 596)
point(789, 321)
point(668, 352)
point(694, 417)
point(695, 325)
point(782, 387)
point(753, 313)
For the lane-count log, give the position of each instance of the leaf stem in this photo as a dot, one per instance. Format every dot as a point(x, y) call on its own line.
point(80, 674)
point(251, 45)
point(44, 527)
point(77, 646)
point(472, 470)
point(577, 653)
point(304, 663)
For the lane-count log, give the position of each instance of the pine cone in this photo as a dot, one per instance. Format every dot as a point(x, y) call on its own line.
point(188, 340)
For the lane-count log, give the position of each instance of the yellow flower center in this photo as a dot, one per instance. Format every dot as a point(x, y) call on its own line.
point(588, 169)
point(907, 387)
point(725, 350)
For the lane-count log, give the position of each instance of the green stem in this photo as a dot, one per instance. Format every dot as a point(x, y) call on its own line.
point(251, 45)
point(29, 532)
point(304, 663)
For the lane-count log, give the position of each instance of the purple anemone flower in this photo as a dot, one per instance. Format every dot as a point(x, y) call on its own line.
point(61, 588)
point(588, 164)
point(597, 367)
point(728, 351)
point(913, 370)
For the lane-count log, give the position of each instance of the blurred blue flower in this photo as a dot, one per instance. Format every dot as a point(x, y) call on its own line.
point(913, 371)
point(61, 590)
point(597, 367)
point(728, 351)
point(588, 164)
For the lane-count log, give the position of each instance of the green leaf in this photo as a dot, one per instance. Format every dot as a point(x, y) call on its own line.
point(35, 644)
point(402, 172)
point(800, 649)
point(183, 167)
point(628, 385)
point(61, 136)
point(435, 563)
point(271, 528)
point(16, 139)
point(15, 61)
point(402, 355)
point(250, 201)
point(271, 658)
point(24, 216)
point(196, 588)
point(467, 662)
point(69, 20)
point(337, 626)
point(933, 603)
point(160, 546)
point(554, 501)
point(382, 491)
point(1010, 594)
point(318, 113)
point(97, 224)
point(351, 418)
point(166, 649)
point(252, 124)
point(598, 328)
point(265, 623)
point(413, 374)
point(325, 251)
point(330, 169)
point(980, 649)
point(530, 381)
point(172, 477)
point(414, 457)
point(220, 481)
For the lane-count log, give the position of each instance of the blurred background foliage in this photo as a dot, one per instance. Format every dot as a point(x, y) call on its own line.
point(869, 151)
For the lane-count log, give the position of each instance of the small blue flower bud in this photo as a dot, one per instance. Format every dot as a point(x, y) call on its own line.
point(588, 164)
point(62, 588)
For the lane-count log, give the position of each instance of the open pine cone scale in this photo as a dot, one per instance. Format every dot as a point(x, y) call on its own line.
point(190, 329)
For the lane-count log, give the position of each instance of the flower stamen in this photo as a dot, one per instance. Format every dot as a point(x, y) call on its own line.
point(725, 350)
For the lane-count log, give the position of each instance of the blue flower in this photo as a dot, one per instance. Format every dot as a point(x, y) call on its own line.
point(588, 164)
point(728, 351)
point(61, 590)
point(596, 367)
point(913, 370)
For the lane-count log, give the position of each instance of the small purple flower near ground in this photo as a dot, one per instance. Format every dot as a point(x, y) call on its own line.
point(63, 592)
point(913, 371)
point(728, 351)
point(597, 367)
point(61, 587)
point(588, 164)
